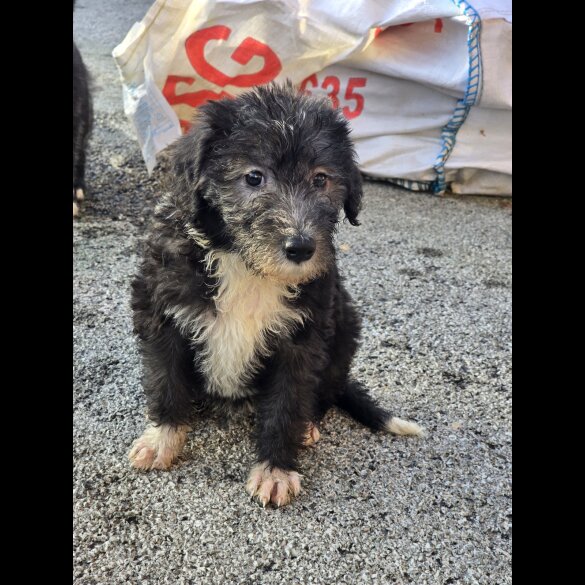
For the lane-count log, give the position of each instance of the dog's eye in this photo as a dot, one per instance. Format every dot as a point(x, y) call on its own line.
point(254, 178)
point(319, 180)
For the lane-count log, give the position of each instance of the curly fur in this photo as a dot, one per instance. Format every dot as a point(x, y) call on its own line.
point(220, 310)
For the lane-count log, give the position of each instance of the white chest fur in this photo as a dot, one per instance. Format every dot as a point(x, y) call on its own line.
point(233, 337)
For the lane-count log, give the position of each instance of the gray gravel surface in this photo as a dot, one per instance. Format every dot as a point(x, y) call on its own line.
point(432, 279)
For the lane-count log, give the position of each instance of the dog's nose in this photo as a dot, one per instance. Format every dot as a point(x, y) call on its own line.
point(299, 248)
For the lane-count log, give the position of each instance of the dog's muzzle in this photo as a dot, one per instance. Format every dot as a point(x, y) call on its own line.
point(299, 248)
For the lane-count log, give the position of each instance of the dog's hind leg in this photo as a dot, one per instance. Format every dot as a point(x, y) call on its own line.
point(168, 382)
point(357, 402)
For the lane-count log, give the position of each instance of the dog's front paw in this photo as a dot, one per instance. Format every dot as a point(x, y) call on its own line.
point(271, 484)
point(158, 447)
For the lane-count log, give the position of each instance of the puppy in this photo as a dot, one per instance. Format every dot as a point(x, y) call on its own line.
point(239, 298)
point(82, 123)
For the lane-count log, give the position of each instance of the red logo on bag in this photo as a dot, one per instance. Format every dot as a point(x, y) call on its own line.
point(243, 54)
point(190, 98)
point(248, 48)
point(193, 99)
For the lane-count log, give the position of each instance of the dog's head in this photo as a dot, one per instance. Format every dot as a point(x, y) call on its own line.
point(266, 175)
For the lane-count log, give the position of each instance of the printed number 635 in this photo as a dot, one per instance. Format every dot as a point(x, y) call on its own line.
point(332, 83)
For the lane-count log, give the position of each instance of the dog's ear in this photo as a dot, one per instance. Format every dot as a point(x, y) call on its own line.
point(212, 122)
point(191, 156)
point(353, 196)
point(188, 158)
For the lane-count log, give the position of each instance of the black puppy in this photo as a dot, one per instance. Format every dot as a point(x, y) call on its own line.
point(82, 122)
point(239, 298)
